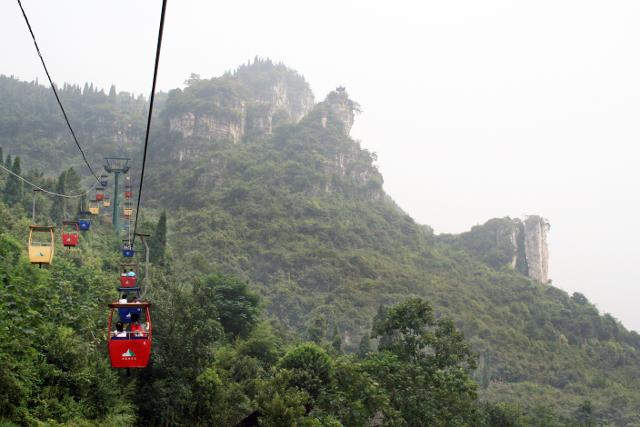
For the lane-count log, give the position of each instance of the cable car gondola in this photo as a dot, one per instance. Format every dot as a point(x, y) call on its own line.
point(99, 194)
point(70, 235)
point(129, 275)
point(127, 188)
point(127, 249)
point(103, 180)
point(41, 244)
point(130, 348)
point(107, 200)
point(127, 211)
point(84, 223)
point(94, 208)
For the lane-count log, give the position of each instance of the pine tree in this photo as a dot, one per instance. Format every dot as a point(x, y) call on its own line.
point(57, 207)
point(158, 245)
point(112, 94)
point(14, 188)
point(317, 329)
point(364, 348)
point(72, 181)
point(8, 163)
point(336, 340)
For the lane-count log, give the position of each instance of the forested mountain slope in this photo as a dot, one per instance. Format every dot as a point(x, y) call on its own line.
point(261, 183)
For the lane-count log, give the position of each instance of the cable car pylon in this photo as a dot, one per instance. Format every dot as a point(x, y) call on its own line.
point(116, 166)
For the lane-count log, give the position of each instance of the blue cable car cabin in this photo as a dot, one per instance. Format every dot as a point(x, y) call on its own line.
point(84, 223)
point(127, 249)
point(103, 180)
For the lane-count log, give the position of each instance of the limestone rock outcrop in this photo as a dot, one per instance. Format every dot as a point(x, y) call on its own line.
point(519, 244)
point(536, 247)
point(340, 108)
point(250, 102)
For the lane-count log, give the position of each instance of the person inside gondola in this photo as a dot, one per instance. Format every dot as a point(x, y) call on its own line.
point(120, 332)
point(131, 273)
point(138, 330)
point(123, 299)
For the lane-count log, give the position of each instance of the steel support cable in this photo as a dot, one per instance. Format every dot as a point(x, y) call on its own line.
point(153, 91)
point(55, 92)
point(53, 193)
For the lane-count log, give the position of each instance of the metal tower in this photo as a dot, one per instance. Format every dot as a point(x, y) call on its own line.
point(116, 166)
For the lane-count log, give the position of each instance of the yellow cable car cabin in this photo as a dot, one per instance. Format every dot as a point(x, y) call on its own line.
point(94, 208)
point(107, 200)
point(127, 212)
point(41, 244)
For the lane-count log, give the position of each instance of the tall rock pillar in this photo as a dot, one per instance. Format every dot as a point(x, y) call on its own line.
point(536, 247)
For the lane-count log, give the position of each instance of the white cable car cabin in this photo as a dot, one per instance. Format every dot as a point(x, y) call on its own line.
point(41, 244)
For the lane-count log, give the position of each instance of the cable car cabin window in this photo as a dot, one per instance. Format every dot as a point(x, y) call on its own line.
point(129, 342)
point(41, 244)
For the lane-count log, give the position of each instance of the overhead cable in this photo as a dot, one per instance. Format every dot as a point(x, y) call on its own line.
point(153, 91)
point(55, 92)
point(53, 193)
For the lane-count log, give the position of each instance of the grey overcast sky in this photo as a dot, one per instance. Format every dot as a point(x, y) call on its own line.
point(476, 109)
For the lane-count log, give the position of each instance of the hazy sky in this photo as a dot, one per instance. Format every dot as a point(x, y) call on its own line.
point(476, 109)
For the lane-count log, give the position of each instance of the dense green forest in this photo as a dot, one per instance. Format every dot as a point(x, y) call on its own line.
point(284, 281)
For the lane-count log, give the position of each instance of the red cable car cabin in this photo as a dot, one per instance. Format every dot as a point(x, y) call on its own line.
point(99, 194)
point(131, 347)
point(70, 234)
point(129, 276)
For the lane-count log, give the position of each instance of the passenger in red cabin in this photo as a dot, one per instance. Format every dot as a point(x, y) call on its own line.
point(120, 332)
point(137, 329)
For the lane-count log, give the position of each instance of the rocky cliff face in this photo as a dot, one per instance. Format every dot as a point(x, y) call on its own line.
point(535, 230)
point(340, 108)
point(210, 126)
point(248, 103)
point(519, 244)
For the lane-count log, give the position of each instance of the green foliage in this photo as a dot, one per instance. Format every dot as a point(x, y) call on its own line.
point(235, 304)
point(311, 368)
point(14, 187)
point(158, 244)
point(52, 360)
point(317, 329)
point(336, 340)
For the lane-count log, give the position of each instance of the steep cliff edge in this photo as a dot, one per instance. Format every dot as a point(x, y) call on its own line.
point(249, 103)
point(505, 242)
